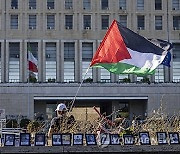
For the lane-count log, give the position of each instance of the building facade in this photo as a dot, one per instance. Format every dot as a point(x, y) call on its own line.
point(63, 35)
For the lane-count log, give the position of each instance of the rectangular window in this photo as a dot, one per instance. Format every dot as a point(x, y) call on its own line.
point(86, 4)
point(14, 22)
point(69, 21)
point(33, 48)
point(158, 4)
point(87, 21)
point(140, 22)
point(50, 21)
point(175, 4)
point(14, 4)
point(51, 62)
point(68, 4)
point(0, 62)
point(14, 67)
point(32, 4)
point(123, 20)
point(69, 61)
point(176, 62)
point(158, 22)
point(105, 21)
point(32, 21)
point(87, 54)
point(122, 4)
point(140, 4)
point(176, 22)
point(50, 4)
point(104, 4)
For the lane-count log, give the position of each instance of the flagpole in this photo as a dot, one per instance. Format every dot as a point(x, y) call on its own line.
point(73, 101)
point(28, 82)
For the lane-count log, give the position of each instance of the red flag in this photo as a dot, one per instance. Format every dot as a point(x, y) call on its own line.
point(33, 63)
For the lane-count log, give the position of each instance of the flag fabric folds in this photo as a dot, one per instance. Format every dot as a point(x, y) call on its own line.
point(33, 63)
point(124, 52)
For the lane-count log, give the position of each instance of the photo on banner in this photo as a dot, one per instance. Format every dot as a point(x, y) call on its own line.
point(174, 138)
point(128, 139)
point(114, 139)
point(56, 139)
point(25, 139)
point(77, 139)
point(66, 139)
point(39, 139)
point(162, 138)
point(90, 139)
point(144, 138)
point(9, 140)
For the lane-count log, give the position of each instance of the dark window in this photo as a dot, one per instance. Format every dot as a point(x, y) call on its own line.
point(69, 51)
point(104, 4)
point(158, 4)
point(86, 4)
point(14, 22)
point(105, 21)
point(32, 4)
point(69, 21)
point(68, 4)
point(176, 22)
point(50, 21)
point(87, 22)
point(50, 4)
point(32, 21)
point(14, 4)
point(140, 22)
point(158, 22)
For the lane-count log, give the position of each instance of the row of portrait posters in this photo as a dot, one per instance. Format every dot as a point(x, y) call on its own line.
point(25, 139)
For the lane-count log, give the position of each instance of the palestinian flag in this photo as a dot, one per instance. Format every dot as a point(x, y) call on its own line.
point(33, 63)
point(124, 52)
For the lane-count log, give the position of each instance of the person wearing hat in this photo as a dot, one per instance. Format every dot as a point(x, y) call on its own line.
point(61, 121)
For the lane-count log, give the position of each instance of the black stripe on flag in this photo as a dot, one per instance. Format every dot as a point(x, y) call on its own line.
point(138, 43)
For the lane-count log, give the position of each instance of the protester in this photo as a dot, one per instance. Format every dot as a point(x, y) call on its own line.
point(62, 123)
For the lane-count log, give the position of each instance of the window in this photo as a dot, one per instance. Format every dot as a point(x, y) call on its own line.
point(69, 21)
point(158, 22)
point(105, 21)
point(14, 22)
point(69, 64)
point(86, 4)
point(0, 62)
point(14, 4)
point(176, 22)
point(104, 4)
point(51, 62)
point(32, 21)
point(175, 4)
point(87, 21)
point(176, 62)
point(50, 21)
point(140, 4)
point(123, 20)
point(33, 48)
point(50, 4)
point(87, 54)
point(140, 22)
point(68, 4)
point(14, 67)
point(158, 4)
point(122, 4)
point(32, 4)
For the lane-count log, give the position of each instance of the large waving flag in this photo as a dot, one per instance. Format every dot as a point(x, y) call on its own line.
point(124, 52)
point(33, 63)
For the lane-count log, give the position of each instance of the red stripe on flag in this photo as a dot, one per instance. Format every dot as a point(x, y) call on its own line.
point(112, 49)
point(32, 67)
